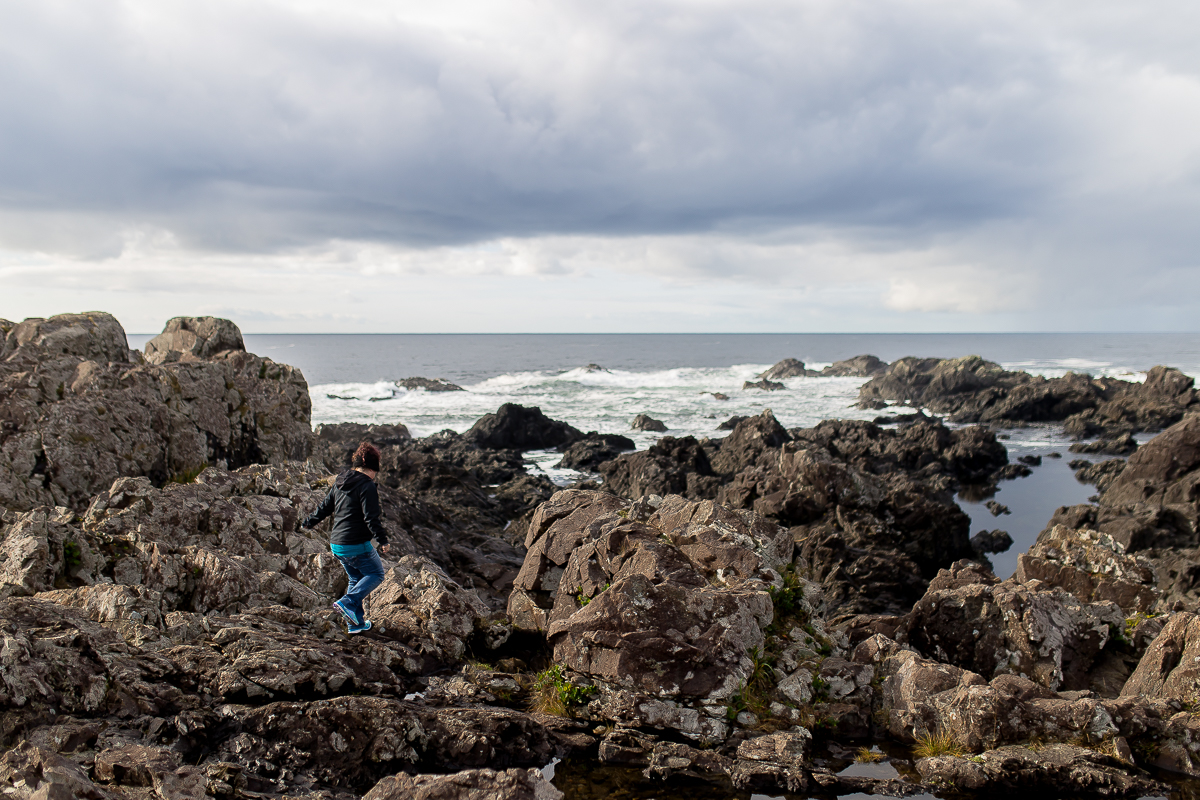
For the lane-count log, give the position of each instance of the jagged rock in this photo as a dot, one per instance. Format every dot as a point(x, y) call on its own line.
point(428, 384)
point(79, 413)
point(774, 762)
point(1091, 566)
point(594, 449)
point(971, 455)
point(971, 389)
point(1054, 771)
point(1102, 474)
point(669, 466)
point(419, 605)
point(667, 605)
point(995, 541)
point(35, 772)
point(1123, 445)
point(194, 339)
point(996, 508)
point(471, 784)
point(788, 368)
point(749, 439)
point(1163, 470)
point(864, 366)
point(520, 428)
point(1031, 461)
point(764, 384)
point(642, 422)
point(971, 620)
point(1170, 669)
point(731, 423)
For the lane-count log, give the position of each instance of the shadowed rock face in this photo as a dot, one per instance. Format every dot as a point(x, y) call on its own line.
point(520, 428)
point(78, 409)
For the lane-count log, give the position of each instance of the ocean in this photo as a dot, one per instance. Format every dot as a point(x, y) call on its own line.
point(673, 378)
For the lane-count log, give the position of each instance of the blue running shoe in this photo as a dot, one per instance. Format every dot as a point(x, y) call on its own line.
point(350, 616)
point(366, 626)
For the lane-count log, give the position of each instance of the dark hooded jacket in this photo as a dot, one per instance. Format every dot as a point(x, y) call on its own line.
point(354, 503)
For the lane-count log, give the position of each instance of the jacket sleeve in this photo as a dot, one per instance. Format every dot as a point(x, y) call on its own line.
point(323, 511)
point(372, 513)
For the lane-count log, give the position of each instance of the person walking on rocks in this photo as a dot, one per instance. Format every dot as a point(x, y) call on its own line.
point(354, 503)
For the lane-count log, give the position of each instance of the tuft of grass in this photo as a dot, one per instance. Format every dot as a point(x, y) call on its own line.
point(787, 599)
point(939, 743)
point(188, 475)
point(553, 693)
point(865, 755)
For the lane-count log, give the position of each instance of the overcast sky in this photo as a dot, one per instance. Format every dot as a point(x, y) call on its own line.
point(749, 165)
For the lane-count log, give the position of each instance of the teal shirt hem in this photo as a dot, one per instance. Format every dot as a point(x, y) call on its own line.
point(351, 549)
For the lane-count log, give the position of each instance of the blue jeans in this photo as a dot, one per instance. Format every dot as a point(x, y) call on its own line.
point(365, 573)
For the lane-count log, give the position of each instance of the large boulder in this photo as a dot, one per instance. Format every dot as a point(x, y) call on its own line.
point(864, 366)
point(594, 449)
point(1090, 565)
point(667, 604)
point(1170, 669)
point(194, 339)
point(78, 412)
point(788, 368)
point(971, 620)
point(520, 428)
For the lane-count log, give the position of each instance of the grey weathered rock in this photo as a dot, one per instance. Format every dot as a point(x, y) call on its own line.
point(1123, 445)
point(194, 339)
point(1170, 669)
point(664, 607)
point(763, 383)
point(644, 422)
point(971, 389)
point(429, 385)
point(1056, 770)
point(80, 413)
point(471, 784)
point(864, 366)
point(1091, 566)
point(971, 620)
point(788, 368)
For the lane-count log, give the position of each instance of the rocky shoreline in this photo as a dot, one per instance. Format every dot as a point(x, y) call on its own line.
point(748, 613)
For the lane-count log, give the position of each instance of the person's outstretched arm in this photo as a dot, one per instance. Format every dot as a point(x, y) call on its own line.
point(323, 511)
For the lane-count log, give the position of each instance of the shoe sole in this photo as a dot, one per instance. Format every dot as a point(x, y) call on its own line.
point(366, 627)
point(350, 620)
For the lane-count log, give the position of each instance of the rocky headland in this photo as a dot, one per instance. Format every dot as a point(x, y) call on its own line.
point(748, 612)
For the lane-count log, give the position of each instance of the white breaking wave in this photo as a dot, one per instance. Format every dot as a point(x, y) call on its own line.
point(599, 400)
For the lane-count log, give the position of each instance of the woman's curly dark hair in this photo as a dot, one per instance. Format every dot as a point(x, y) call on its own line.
point(366, 456)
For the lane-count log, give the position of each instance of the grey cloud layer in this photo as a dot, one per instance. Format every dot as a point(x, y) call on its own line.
point(253, 125)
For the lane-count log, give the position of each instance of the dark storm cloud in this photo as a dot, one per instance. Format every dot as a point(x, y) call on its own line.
point(255, 126)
